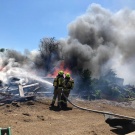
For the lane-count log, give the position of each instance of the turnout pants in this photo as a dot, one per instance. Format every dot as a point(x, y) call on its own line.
point(57, 93)
point(63, 99)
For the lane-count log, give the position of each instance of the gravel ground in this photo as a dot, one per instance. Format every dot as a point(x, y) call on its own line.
point(36, 118)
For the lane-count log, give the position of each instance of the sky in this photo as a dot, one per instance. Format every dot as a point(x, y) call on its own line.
point(23, 23)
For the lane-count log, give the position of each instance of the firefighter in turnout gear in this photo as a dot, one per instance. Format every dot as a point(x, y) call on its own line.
point(58, 88)
point(68, 84)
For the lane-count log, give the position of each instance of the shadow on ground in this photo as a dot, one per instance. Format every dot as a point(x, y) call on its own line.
point(120, 131)
point(55, 108)
point(121, 126)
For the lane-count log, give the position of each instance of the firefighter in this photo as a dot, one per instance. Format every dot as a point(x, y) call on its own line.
point(57, 83)
point(68, 84)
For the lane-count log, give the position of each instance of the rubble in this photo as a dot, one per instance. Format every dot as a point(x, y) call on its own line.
point(26, 114)
point(40, 117)
point(16, 104)
point(30, 103)
point(17, 92)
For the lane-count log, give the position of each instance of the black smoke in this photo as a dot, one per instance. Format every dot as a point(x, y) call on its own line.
point(101, 40)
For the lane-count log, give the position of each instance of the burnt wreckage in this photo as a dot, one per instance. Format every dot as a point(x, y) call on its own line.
point(21, 92)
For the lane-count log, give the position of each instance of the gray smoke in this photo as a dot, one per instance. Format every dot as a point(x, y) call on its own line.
point(101, 40)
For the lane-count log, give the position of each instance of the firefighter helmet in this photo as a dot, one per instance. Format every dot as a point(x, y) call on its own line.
point(61, 72)
point(67, 75)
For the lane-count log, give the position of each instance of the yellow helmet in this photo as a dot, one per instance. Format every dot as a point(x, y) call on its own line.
point(61, 72)
point(68, 75)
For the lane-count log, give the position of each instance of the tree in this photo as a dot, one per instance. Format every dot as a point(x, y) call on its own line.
point(2, 49)
point(107, 85)
point(49, 52)
point(84, 83)
point(110, 76)
point(48, 46)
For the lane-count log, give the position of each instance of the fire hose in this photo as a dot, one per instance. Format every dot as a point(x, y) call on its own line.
point(96, 111)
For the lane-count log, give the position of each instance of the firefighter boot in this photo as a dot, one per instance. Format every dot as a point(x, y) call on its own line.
point(59, 106)
point(52, 104)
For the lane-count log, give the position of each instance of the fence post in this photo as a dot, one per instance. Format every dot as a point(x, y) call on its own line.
point(0, 131)
point(9, 130)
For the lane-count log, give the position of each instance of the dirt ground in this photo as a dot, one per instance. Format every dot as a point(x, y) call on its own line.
point(36, 118)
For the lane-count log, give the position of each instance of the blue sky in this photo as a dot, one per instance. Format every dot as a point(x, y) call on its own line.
point(24, 22)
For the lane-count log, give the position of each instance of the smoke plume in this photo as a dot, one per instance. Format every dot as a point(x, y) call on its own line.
point(98, 40)
point(101, 40)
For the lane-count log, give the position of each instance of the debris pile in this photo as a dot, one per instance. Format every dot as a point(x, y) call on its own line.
point(17, 92)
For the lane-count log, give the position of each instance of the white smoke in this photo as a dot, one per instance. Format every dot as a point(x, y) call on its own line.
point(15, 65)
